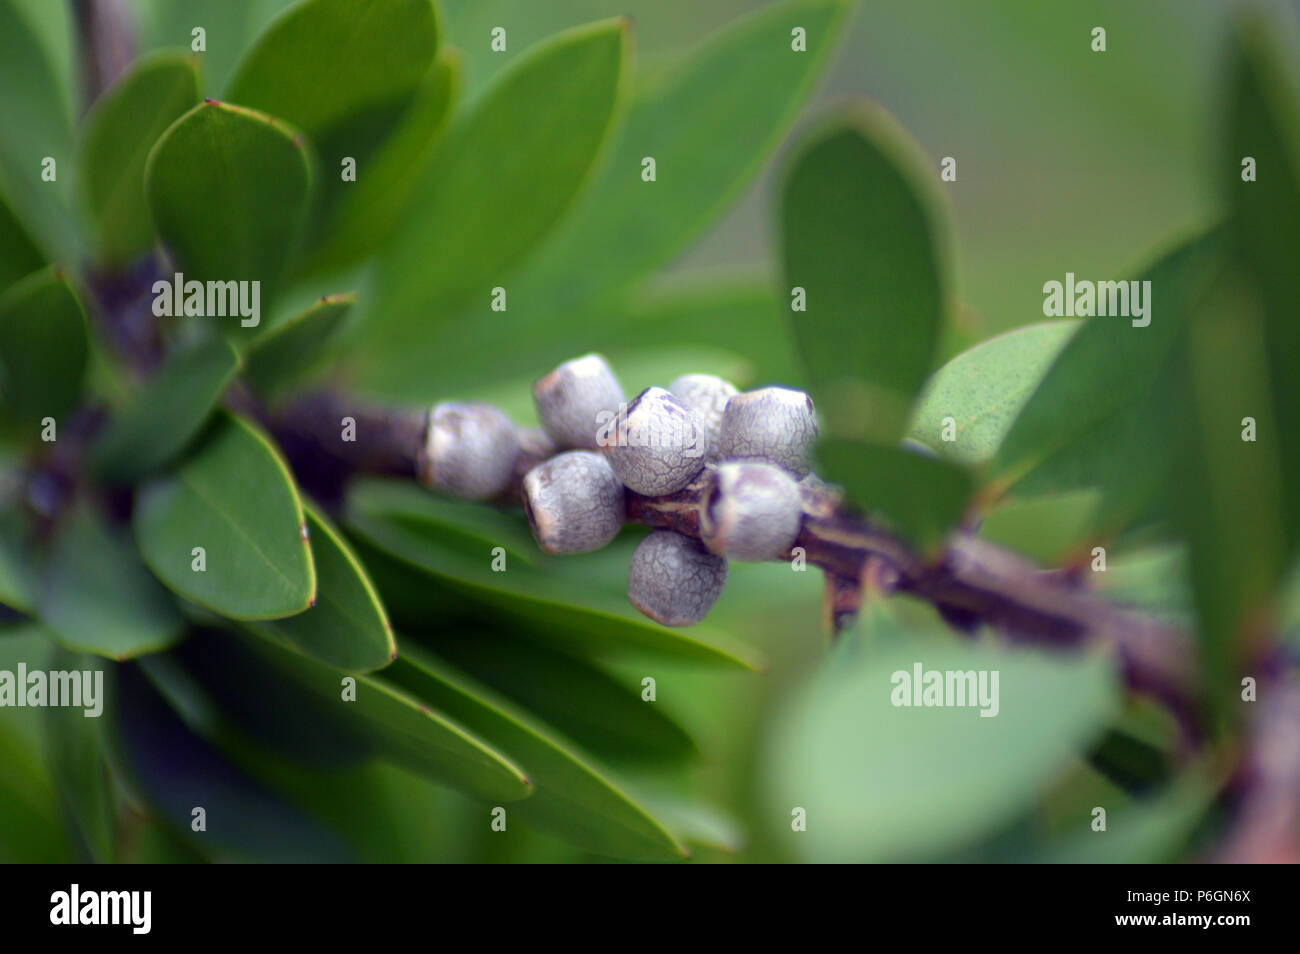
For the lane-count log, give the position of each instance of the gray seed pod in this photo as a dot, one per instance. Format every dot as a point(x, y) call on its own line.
point(657, 446)
point(777, 425)
point(469, 451)
point(574, 503)
point(707, 396)
point(674, 580)
point(576, 399)
point(753, 514)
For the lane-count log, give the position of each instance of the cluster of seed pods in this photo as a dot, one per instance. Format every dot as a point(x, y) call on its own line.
point(596, 445)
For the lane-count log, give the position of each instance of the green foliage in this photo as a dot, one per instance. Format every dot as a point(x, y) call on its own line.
point(246, 627)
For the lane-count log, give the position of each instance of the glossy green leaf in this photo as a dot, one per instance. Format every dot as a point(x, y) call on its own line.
point(984, 388)
point(922, 496)
point(35, 123)
point(607, 717)
point(175, 771)
point(324, 61)
point(162, 419)
point(347, 628)
point(234, 498)
point(119, 133)
point(1048, 529)
point(280, 354)
point(355, 218)
point(75, 746)
point(923, 779)
point(98, 598)
point(384, 721)
point(227, 188)
point(710, 125)
point(486, 200)
point(43, 350)
point(554, 606)
point(19, 255)
point(574, 799)
point(863, 235)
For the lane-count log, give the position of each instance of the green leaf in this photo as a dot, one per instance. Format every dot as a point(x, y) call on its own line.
point(1046, 529)
point(356, 218)
point(97, 596)
point(325, 61)
point(43, 350)
point(75, 747)
point(922, 496)
point(347, 628)
point(883, 781)
point(227, 188)
point(984, 388)
point(710, 125)
point(17, 582)
point(574, 799)
point(389, 723)
point(161, 420)
point(174, 771)
point(120, 130)
point(19, 255)
point(234, 498)
point(1151, 831)
point(486, 200)
point(1094, 420)
point(609, 719)
point(280, 354)
point(423, 554)
point(35, 123)
point(863, 235)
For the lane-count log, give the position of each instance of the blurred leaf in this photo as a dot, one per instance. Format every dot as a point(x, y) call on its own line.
point(75, 748)
point(984, 388)
point(1154, 580)
point(227, 188)
point(355, 218)
point(486, 199)
point(922, 496)
point(17, 581)
point(234, 498)
point(161, 420)
point(277, 356)
point(325, 61)
point(880, 781)
point(863, 234)
point(43, 348)
point(696, 823)
point(34, 124)
point(97, 596)
point(1045, 529)
point(347, 628)
point(1097, 419)
point(548, 604)
point(119, 132)
point(390, 724)
point(574, 800)
point(609, 719)
point(710, 124)
point(175, 772)
point(19, 255)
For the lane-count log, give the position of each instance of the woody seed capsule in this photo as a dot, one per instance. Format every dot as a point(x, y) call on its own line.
point(469, 451)
point(707, 396)
point(753, 513)
point(776, 425)
point(657, 446)
point(574, 502)
point(674, 580)
point(576, 399)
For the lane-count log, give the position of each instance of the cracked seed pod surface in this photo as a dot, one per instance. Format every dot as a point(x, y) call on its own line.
point(753, 514)
point(469, 451)
point(658, 446)
point(774, 425)
point(574, 502)
point(707, 395)
point(674, 580)
point(575, 399)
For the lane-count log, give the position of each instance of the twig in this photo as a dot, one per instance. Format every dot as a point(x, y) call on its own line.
point(107, 44)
